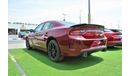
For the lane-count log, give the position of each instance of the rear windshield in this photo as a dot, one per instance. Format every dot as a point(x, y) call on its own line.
point(107, 30)
point(68, 23)
point(114, 30)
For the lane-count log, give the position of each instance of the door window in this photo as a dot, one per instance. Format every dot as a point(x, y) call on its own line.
point(39, 27)
point(47, 26)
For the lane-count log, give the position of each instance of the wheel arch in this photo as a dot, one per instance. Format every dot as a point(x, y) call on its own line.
point(51, 38)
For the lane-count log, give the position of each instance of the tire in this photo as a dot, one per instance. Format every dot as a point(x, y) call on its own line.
point(54, 52)
point(110, 46)
point(28, 45)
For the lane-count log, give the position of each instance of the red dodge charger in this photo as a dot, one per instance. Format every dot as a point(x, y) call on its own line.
point(113, 38)
point(60, 39)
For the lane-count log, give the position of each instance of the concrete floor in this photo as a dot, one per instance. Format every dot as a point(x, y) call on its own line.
point(16, 44)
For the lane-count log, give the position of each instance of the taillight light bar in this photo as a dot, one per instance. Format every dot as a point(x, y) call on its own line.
point(93, 35)
point(76, 32)
point(86, 33)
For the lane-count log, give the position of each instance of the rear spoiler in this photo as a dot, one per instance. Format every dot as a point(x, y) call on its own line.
point(100, 26)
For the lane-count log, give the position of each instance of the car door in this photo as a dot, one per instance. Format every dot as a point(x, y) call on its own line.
point(43, 35)
point(37, 33)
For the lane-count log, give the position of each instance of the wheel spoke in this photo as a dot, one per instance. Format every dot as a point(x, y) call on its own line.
point(27, 44)
point(52, 50)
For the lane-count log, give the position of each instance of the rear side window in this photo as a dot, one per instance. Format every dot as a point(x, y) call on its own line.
point(68, 23)
point(47, 26)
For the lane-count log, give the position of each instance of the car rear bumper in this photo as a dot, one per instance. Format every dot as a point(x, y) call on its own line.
point(94, 49)
point(77, 47)
point(76, 52)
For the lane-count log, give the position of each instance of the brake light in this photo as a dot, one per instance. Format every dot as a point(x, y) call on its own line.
point(116, 36)
point(86, 33)
point(113, 34)
point(76, 32)
point(93, 35)
point(89, 35)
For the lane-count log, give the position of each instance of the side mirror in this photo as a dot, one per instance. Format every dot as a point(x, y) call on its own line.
point(32, 30)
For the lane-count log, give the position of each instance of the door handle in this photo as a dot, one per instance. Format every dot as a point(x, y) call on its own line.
point(46, 34)
point(45, 38)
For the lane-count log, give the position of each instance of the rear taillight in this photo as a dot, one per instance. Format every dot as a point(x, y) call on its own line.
point(76, 32)
point(89, 34)
point(115, 35)
point(93, 35)
point(86, 33)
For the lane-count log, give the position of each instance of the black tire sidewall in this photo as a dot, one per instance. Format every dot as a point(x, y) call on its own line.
point(28, 44)
point(58, 55)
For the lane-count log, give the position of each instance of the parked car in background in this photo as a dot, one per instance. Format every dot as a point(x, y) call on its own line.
point(118, 31)
point(22, 34)
point(59, 39)
point(114, 38)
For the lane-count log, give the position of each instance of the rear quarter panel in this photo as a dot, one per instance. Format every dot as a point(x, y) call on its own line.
point(60, 34)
